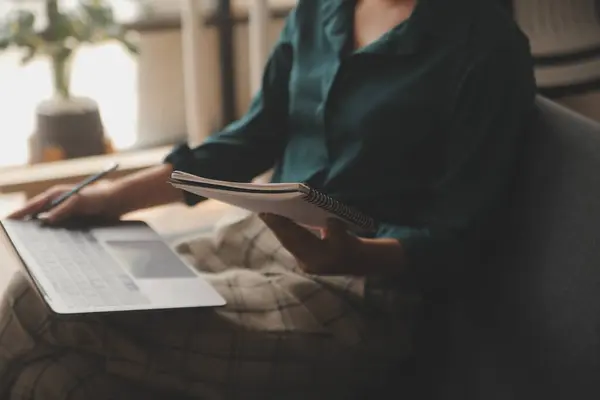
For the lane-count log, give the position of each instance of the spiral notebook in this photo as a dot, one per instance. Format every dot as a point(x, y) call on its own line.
point(295, 201)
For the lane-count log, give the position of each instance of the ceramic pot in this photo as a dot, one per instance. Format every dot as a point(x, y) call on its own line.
point(66, 129)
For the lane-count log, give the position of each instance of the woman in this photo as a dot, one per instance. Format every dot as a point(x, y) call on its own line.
point(409, 110)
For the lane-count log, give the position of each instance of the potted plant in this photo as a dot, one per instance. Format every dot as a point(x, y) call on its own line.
point(67, 126)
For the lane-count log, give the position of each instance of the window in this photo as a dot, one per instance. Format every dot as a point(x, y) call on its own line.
point(141, 99)
point(106, 73)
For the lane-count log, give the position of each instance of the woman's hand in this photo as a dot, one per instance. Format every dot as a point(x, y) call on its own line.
point(337, 252)
point(329, 255)
point(108, 200)
point(96, 200)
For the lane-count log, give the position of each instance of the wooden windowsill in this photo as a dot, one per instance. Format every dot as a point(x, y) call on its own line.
point(34, 179)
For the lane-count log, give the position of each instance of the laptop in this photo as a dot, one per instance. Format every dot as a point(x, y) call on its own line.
point(123, 266)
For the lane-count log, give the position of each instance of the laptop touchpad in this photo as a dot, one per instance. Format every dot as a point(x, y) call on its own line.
point(148, 259)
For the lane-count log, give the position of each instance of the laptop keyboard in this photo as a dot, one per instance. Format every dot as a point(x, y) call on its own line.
point(79, 268)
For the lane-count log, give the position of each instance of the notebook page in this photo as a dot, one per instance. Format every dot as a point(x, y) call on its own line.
point(184, 177)
point(289, 205)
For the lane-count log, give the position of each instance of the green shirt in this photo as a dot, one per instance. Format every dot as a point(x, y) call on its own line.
point(419, 129)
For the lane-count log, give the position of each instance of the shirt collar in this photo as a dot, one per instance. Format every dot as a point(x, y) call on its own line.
point(432, 20)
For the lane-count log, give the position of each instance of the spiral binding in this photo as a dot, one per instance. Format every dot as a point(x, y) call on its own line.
point(331, 205)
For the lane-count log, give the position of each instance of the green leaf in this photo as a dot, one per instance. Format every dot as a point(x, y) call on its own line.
point(60, 28)
point(4, 38)
point(92, 22)
point(25, 19)
point(130, 46)
point(114, 31)
point(21, 28)
point(30, 53)
point(146, 8)
point(98, 18)
point(98, 13)
point(81, 31)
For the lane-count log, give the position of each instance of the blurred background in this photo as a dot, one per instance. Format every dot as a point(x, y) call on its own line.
point(82, 81)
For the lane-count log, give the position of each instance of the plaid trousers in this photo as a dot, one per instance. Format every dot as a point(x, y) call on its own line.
point(282, 335)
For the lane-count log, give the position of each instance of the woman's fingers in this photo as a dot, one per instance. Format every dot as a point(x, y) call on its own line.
point(297, 240)
point(38, 203)
point(62, 211)
point(31, 207)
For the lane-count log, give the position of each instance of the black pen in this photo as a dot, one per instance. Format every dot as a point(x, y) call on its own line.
point(86, 182)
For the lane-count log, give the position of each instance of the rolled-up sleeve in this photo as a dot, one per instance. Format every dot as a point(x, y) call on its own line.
point(253, 144)
point(493, 105)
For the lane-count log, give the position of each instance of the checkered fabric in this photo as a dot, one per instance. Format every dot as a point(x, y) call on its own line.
point(282, 335)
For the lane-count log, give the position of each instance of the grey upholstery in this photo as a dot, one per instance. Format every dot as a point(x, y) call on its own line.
point(526, 324)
